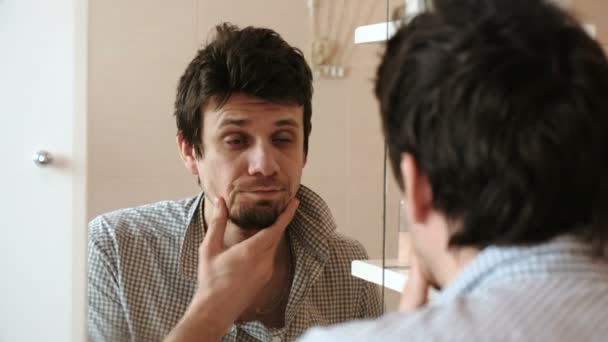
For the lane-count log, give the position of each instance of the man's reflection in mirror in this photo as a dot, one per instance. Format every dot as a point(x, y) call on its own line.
point(256, 253)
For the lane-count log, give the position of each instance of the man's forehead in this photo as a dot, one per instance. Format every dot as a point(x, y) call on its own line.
point(227, 120)
point(245, 110)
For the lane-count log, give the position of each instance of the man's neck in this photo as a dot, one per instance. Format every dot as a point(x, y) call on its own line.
point(235, 234)
point(455, 263)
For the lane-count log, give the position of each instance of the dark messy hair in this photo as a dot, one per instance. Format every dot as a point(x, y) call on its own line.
point(251, 61)
point(502, 103)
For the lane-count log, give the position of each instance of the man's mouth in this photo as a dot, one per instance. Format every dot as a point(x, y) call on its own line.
point(272, 189)
point(269, 189)
point(261, 193)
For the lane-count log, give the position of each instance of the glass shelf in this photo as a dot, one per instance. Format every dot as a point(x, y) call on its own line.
point(395, 272)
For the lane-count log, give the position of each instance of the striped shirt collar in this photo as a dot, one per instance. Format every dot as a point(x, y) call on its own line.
point(496, 264)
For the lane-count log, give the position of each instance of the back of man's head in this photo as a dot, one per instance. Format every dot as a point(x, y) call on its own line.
point(503, 105)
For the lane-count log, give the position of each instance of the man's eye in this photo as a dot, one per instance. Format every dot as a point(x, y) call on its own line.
point(282, 141)
point(235, 141)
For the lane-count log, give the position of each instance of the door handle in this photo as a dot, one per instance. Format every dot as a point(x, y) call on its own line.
point(42, 158)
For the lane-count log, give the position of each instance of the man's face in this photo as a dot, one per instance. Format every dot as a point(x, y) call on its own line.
point(253, 155)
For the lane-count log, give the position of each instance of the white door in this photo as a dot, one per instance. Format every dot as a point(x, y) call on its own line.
point(42, 208)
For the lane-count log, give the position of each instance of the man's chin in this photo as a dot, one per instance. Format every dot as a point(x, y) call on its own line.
point(256, 217)
point(248, 223)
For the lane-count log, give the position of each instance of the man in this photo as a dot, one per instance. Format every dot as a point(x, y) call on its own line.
point(243, 113)
point(495, 116)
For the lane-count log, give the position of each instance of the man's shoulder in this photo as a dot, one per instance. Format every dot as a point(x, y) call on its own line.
point(317, 222)
point(164, 218)
point(314, 210)
point(429, 323)
point(346, 247)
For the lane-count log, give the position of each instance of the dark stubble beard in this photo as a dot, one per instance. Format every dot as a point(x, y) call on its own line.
point(258, 215)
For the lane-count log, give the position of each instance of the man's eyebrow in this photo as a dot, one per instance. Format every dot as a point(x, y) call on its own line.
point(287, 122)
point(234, 122)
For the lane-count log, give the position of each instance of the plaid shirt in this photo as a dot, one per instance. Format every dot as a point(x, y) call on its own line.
point(142, 271)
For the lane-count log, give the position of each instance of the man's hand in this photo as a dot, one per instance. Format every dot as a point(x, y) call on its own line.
point(229, 279)
point(415, 294)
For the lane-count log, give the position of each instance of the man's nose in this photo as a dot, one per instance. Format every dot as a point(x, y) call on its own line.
point(262, 161)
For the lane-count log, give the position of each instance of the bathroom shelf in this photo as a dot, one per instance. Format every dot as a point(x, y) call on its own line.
point(377, 33)
point(395, 272)
point(374, 33)
point(380, 32)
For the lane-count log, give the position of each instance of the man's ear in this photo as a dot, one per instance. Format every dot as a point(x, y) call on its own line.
point(187, 153)
point(418, 194)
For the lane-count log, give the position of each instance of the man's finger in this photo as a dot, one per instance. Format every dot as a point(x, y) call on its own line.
point(268, 238)
point(214, 237)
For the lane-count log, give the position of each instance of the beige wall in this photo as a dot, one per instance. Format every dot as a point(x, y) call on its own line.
point(138, 49)
point(594, 12)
